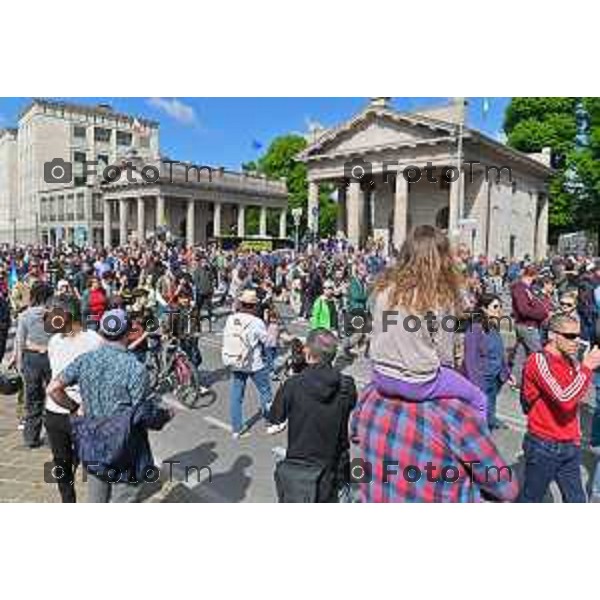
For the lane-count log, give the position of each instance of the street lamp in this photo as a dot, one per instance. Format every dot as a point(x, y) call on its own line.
point(297, 216)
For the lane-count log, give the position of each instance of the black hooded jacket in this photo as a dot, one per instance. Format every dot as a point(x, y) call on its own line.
point(317, 404)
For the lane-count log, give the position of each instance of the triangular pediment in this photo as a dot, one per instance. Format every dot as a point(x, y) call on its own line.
point(377, 129)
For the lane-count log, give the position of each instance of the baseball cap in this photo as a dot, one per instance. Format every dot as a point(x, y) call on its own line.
point(114, 324)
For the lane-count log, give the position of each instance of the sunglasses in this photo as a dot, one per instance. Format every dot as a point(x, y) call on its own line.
point(567, 305)
point(495, 305)
point(568, 336)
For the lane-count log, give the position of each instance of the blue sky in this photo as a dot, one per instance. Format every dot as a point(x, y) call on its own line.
point(221, 131)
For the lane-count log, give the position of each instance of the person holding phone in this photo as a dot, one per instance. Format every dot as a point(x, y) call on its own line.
point(554, 384)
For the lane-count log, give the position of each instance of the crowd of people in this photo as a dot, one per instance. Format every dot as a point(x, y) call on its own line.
point(86, 320)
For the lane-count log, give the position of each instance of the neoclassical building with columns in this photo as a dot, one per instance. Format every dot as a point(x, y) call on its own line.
point(198, 205)
point(195, 204)
point(395, 170)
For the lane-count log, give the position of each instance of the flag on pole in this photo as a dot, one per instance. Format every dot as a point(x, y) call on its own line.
point(256, 145)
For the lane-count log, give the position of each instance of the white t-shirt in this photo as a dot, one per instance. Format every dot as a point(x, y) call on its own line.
point(62, 351)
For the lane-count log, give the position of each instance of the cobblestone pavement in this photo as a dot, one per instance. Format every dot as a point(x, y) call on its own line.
point(22, 469)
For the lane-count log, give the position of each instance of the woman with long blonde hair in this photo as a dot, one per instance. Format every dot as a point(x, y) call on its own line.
point(417, 307)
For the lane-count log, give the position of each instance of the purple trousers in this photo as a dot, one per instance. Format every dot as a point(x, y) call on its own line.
point(447, 384)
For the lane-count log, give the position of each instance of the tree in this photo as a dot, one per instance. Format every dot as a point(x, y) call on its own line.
point(280, 160)
point(534, 123)
point(587, 165)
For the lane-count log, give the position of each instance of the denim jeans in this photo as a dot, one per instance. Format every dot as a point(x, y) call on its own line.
point(36, 374)
point(262, 382)
point(491, 387)
point(270, 356)
point(529, 338)
point(99, 491)
point(595, 435)
point(547, 461)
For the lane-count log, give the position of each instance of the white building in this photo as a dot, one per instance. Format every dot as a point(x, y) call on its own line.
point(505, 215)
point(37, 204)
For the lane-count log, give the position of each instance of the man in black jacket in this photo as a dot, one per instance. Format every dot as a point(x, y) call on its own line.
point(204, 285)
point(317, 404)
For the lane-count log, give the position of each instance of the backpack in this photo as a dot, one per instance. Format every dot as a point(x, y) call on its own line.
point(236, 346)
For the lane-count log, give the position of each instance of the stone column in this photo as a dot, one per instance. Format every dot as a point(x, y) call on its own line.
point(160, 211)
point(190, 223)
point(355, 212)
point(400, 210)
point(456, 191)
point(241, 221)
point(204, 217)
point(217, 220)
point(541, 242)
point(107, 224)
point(341, 212)
point(312, 218)
point(141, 220)
point(263, 221)
point(283, 224)
point(122, 221)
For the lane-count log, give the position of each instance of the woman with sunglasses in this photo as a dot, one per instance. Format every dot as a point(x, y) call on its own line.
point(485, 362)
point(568, 305)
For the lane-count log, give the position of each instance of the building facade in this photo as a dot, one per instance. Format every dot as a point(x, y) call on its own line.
point(42, 205)
point(394, 171)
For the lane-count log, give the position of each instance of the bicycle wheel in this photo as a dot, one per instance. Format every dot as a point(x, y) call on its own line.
point(187, 388)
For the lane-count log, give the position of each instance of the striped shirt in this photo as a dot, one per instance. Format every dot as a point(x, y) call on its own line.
point(553, 387)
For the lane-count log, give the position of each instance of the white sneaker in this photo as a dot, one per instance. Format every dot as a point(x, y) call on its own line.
point(203, 390)
point(276, 428)
point(240, 435)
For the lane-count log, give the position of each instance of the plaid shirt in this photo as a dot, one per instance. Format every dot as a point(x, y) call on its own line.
point(432, 451)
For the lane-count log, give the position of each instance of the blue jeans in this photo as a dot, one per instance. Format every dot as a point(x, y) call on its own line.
point(270, 356)
point(262, 382)
point(491, 388)
point(547, 461)
point(595, 435)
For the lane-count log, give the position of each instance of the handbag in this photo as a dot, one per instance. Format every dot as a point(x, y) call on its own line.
point(298, 480)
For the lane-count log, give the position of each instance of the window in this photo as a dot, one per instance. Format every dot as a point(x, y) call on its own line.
point(79, 216)
point(70, 207)
point(144, 141)
point(79, 157)
point(79, 180)
point(123, 138)
point(102, 160)
point(101, 134)
point(61, 209)
point(52, 208)
point(514, 187)
point(43, 209)
point(79, 131)
point(97, 207)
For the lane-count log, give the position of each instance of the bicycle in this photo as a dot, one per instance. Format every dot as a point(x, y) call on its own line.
point(171, 371)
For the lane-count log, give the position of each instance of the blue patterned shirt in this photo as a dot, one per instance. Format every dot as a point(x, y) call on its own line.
point(109, 378)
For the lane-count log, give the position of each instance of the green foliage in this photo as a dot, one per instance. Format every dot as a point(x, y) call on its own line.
point(280, 160)
point(534, 123)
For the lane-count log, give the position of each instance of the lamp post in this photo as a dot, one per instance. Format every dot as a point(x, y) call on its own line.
point(297, 216)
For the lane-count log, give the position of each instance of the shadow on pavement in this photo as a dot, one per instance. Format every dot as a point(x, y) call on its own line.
point(209, 378)
point(196, 459)
point(230, 486)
